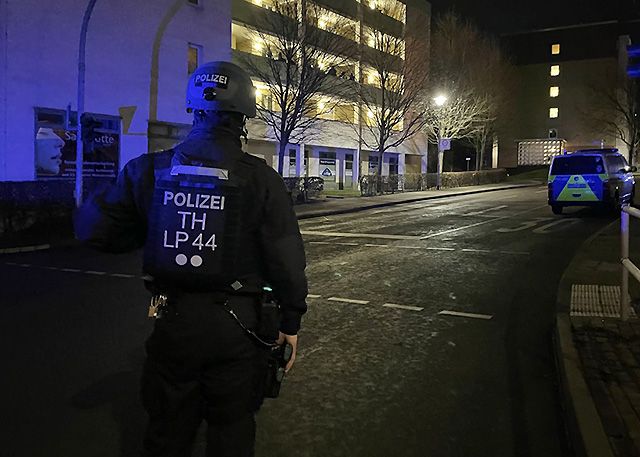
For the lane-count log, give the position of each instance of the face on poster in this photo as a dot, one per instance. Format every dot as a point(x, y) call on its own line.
point(49, 147)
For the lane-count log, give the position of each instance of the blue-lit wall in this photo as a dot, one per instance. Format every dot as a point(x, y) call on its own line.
point(38, 65)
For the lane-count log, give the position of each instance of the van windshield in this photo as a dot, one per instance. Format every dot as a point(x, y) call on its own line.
point(577, 165)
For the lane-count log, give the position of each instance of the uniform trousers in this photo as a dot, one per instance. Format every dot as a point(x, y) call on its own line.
point(202, 366)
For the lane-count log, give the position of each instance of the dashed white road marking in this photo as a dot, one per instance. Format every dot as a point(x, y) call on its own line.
point(475, 213)
point(369, 245)
point(471, 315)
point(346, 244)
point(477, 250)
point(74, 270)
point(122, 275)
point(313, 296)
point(349, 300)
point(320, 242)
point(396, 306)
point(360, 235)
point(440, 249)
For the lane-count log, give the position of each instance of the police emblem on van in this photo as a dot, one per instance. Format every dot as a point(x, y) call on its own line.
point(215, 79)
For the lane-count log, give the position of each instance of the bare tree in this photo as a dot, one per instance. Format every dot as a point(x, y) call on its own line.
point(454, 116)
point(303, 46)
point(470, 70)
point(393, 83)
point(617, 113)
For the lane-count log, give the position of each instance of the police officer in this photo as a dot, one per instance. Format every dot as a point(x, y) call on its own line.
point(216, 224)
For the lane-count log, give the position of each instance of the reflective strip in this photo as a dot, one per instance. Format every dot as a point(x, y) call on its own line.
point(200, 171)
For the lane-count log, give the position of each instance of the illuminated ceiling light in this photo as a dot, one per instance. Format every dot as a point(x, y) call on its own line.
point(322, 22)
point(258, 45)
point(440, 100)
point(371, 78)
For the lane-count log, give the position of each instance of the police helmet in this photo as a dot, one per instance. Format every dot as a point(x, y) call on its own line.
point(221, 86)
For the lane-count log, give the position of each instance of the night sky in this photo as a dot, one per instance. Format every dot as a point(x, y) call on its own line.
point(506, 16)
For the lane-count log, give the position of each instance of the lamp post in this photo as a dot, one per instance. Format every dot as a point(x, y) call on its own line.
point(81, 71)
point(444, 144)
point(468, 159)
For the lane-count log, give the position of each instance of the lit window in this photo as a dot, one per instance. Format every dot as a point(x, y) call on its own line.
point(553, 113)
point(193, 57)
point(555, 49)
point(554, 91)
point(555, 70)
point(258, 46)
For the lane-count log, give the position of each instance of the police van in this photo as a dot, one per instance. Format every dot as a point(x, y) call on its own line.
point(590, 177)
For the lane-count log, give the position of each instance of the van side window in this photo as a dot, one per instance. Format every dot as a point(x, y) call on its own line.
point(612, 164)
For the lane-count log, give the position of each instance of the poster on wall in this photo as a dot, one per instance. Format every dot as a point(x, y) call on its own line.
point(55, 150)
point(328, 169)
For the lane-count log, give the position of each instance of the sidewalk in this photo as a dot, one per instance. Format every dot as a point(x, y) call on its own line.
point(598, 355)
point(331, 206)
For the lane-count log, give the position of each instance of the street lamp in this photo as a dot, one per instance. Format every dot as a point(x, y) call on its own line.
point(81, 72)
point(444, 144)
point(440, 100)
point(468, 159)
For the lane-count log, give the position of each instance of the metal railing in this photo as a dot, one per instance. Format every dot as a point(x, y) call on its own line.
point(627, 265)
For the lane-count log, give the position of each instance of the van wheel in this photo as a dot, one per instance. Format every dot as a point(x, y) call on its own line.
point(557, 209)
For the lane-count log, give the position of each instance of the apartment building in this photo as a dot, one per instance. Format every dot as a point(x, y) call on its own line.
point(335, 152)
point(565, 76)
point(138, 58)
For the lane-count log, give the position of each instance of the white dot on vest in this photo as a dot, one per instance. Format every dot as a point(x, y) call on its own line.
point(181, 259)
point(196, 260)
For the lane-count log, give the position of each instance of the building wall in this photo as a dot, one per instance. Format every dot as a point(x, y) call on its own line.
point(588, 61)
point(136, 67)
point(40, 69)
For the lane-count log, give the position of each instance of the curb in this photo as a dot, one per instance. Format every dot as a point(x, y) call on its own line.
point(39, 247)
point(332, 212)
point(585, 428)
point(584, 425)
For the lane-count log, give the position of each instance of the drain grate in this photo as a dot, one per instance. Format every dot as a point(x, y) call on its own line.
point(592, 300)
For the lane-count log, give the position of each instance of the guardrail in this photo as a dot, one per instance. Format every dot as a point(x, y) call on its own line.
point(627, 265)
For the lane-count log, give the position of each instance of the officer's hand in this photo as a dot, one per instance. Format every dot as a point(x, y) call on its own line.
point(293, 341)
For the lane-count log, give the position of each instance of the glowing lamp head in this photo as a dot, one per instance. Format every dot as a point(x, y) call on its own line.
point(440, 100)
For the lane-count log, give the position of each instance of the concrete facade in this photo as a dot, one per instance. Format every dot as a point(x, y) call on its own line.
point(587, 60)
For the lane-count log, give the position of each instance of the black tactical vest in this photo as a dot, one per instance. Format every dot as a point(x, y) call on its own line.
point(193, 228)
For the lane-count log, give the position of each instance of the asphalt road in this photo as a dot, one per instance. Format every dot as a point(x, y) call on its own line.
point(381, 370)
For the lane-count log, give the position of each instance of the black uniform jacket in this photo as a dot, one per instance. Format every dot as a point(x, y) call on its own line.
point(116, 219)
